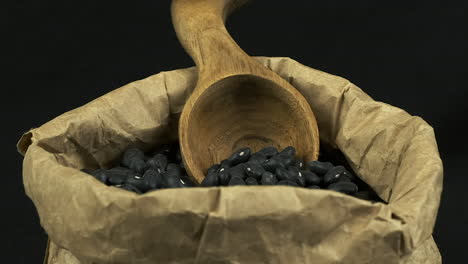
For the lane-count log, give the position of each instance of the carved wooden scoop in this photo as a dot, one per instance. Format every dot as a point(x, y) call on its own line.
point(237, 102)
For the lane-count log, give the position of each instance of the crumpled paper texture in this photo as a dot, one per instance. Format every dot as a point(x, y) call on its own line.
point(392, 151)
point(427, 252)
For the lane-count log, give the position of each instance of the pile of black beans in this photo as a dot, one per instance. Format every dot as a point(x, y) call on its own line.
point(272, 167)
point(140, 173)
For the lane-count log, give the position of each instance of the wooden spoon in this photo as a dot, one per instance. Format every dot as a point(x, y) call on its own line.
point(237, 102)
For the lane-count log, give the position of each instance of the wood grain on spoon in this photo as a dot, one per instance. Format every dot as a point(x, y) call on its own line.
point(237, 101)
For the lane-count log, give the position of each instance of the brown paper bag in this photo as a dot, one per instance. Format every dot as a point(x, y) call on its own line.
point(88, 222)
point(427, 252)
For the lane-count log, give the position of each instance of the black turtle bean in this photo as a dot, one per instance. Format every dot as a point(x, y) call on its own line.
point(313, 187)
point(173, 180)
point(119, 175)
point(132, 153)
point(268, 151)
point(224, 177)
point(336, 174)
point(319, 167)
point(239, 156)
point(100, 175)
point(138, 182)
point(287, 183)
point(137, 165)
point(298, 164)
point(213, 168)
point(283, 174)
point(134, 159)
point(297, 176)
point(174, 169)
point(258, 158)
point(293, 171)
point(286, 160)
point(225, 164)
point(349, 175)
point(158, 162)
point(116, 179)
point(236, 181)
point(251, 181)
point(271, 165)
point(238, 171)
point(268, 178)
point(211, 179)
point(343, 178)
point(187, 181)
point(254, 170)
point(311, 178)
point(343, 187)
point(153, 179)
point(288, 151)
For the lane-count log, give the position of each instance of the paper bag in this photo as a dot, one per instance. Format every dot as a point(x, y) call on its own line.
point(392, 151)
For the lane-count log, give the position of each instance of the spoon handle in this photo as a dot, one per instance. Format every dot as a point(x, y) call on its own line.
point(199, 25)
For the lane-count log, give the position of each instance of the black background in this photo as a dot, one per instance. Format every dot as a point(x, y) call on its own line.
point(58, 55)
